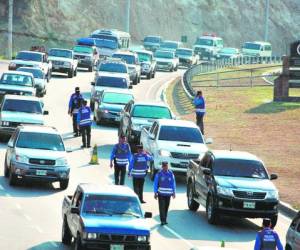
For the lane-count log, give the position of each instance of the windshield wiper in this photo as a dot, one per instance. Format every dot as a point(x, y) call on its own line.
point(128, 213)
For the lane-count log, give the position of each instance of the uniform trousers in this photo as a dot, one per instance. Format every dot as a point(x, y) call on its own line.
point(163, 204)
point(120, 171)
point(138, 187)
point(86, 135)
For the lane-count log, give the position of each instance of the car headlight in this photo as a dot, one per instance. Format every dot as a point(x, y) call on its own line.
point(12, 65)
point(142, 238)
point(272, 195)
point(224, 191)
point(61, 162)
point(92, 236)
point(67, 64)
point(22, 159)
point(4, 123)
point(164, 153)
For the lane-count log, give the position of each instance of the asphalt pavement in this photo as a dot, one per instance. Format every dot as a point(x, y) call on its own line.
point(30, 214)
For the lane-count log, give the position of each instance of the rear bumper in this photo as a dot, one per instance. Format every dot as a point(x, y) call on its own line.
point(164, 66)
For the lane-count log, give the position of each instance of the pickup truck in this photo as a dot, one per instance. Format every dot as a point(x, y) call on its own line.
point(232, 183)
point(166, 60)
point(186, 57)
point(63, 61)
point(148, 64)
point(175, 141)
point(87, 56)
point(105, 217)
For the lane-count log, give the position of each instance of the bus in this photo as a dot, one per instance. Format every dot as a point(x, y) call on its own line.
point(109, 41)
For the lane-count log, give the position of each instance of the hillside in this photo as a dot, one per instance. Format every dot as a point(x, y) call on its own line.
point(236, 21)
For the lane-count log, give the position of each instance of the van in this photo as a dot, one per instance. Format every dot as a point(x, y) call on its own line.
point(257, 49)
point(208, 46)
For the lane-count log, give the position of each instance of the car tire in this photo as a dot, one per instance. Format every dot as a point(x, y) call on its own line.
point(12, 179)
point(211, 213)
point(192, 204)
point(91, 69)
point(171, 69)
point(274, 219)
point(6, 170)
point(149, 75)
point(70, 73)
point(78, 243)
point(153, 171)
point(135, 81)
point(66, 236)
point(64, 184)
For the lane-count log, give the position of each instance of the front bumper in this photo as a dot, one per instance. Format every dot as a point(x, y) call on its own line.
point(164, 66)
point(60, 69)
point(105, 245)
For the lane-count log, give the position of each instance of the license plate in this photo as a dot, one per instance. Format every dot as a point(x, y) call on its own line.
point(41, 172)
point(117, 119)
point(250, 205)
point(116, 247)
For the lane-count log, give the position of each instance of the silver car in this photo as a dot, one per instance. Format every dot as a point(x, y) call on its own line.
point(293, 234)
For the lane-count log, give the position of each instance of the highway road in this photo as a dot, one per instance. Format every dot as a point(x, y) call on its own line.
point(30, 214)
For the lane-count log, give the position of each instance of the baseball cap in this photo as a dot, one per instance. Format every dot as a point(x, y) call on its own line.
point(77, 89)
point(164, 163)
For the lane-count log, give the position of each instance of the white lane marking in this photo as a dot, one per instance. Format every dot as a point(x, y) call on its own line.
point(53, 244)
point(179, 236)
point(1, 187)
point(38, 229)
point(27, 217)
point(18, 206)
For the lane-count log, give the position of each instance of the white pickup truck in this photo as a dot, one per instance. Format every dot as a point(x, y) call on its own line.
point(175, 141)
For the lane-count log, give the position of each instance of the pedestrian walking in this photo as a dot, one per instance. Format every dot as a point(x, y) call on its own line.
point(84, 122)
point(73, 108)
point(267, 239)
point(199, 103)
point(164, 188)
point(120, 158)
point(138, 170)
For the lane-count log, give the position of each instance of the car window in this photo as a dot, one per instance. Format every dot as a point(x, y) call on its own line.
point(16, 79)
point(295, 221)
point(152, 128)
point(116, 98)
point(204, 160)
point(12, 139)
point(182, 134)
point(114, 82)
point(28, 56)
point(155, 130)
point(129, 59)
point(298, 228)
point(37, 73)
point(60, 53)
point(154, 112)
point(83, 49)
point(113, 67)
point(25, 106)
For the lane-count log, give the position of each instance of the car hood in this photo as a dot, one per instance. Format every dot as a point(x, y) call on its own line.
point(28, 63)
point(116, 225)
point(245, 183)
point(142, 122)
point(61, 59)
point(22, 117)
point(41, 154)
point(182, 147)
point(158, 59)
point(112, 107)
point(16, 88)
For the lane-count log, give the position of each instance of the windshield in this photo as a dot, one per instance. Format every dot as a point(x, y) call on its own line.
point(185, 52)
point(144, 57)
point(154, 112)
point(117, 98)
point(113, 67)
point(169, 45)
point(164, 54)
point(253, 46)
point(183, 134)
point(206, 42)
point(60, 53)
point(111, 205)
point(15, 79)
point(40, 141)
point(239, 168)
point(25, 106)
point(83, 49)
point(114, 82)
point(103, 41)
point(28, 56)
point(152, 39)
point(129, 59)
point(229, 51)
point(37, 73)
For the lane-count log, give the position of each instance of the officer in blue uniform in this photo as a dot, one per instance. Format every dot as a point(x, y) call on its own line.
point(74, 105)
point(267, 239)
point(138, 170)
point(121, 157)
point(164, 188)
point(84, 122)
point(199, 103)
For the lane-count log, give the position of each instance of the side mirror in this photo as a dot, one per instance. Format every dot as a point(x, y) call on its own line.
point(130, 86)
point(209, 141)
point(75, 210)
point(10, 144)
point(273, 176)
point(148, 215)
point(93, 83)
point(46, 112)
point(206, 171)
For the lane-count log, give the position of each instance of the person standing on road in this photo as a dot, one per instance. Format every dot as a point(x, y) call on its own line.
point(84, 122)
point(138, 170)
point(199, 103)
point(267, 239)
point(73, 108)
point(121, 156)
point(164, 188)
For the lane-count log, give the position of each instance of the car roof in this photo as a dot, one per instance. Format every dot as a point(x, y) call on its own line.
point(14, 72)
point(170, 41)
point(38, 129)
point(164, 50)
point(91, 188)
point(33, 52)
point(236, 155)
point(22, 97)
point(177, 123)
point(113, 60)
point(158, 104)
point(260, 42)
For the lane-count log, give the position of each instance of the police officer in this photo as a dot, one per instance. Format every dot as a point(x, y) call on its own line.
point(267, 239)
point(73, 108)
point(84, 122)
point(164, 188)
point(199, 103)
point(138, 170)
point(121, 156)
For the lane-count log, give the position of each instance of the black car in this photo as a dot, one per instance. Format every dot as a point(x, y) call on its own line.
point(232, 183)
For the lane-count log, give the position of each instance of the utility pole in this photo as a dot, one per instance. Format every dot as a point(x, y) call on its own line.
point(267, 8)
point(10, 28)
point(127, 28)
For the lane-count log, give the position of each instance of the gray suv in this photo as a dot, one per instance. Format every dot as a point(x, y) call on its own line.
point(293, 234)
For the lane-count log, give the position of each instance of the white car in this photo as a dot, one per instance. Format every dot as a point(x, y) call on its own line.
point(175, 141)
point(208, 46)
point(166, 60)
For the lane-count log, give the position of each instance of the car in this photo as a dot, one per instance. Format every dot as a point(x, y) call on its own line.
point(293, 234)
point(107, 81)
point(17, 83)
point(228, 53)
point(257, 49)
point(63, 61)
point(174, 141)
point(170, 45)
point(186, 57)
point(36, 152)
point(16, 110)
point(152, 43)
point(40, 80)
point(110, 105)
point(137, 115)
point(87, 56)
point(148, 64)
point(32, 59)
point(208, 46)
point(133, 64)
point(166, 60)
point(104, 217)
point(232, 183)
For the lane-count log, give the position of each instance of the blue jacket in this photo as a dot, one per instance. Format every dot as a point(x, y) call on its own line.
point(269, 236)
point(138, 165)
point(199, 103)
point(121, 153)
point(84, 117)
point(73, 102)
point(164, 183)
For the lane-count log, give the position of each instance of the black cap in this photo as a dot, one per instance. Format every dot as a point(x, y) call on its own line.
point(77, 89)
point(267, 222)
point(164, 163)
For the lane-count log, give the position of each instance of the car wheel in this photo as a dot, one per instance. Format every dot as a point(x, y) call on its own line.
point(12, 181)
point(135, 81)
point(70, 73)
point(149, 75)
point(274, 219)
point(176, 68)
point(64, 184)
point(153, 171)
point(192, 204)
point(78, 243)
point(91, 69)
point(211, 213)
point(66, 236)
point(6, 170)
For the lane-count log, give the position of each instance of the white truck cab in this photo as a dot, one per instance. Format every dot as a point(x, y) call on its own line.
point(208, 46)
point(257, 49)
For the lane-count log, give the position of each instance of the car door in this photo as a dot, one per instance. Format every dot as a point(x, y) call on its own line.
point(200, 179)
point(205, 180)
point(73, 219)
point(146, 138)
point(153, 138)
point(11, 147)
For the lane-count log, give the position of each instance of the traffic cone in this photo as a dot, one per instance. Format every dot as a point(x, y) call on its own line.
point(94, 159)
point(222, 243)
